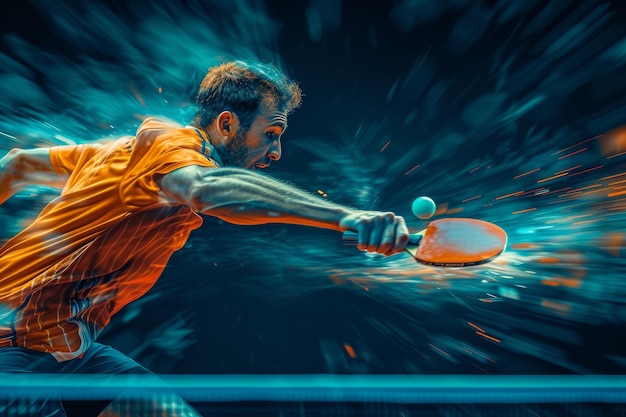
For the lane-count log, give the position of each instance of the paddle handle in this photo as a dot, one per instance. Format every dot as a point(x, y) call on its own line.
point(352, 238)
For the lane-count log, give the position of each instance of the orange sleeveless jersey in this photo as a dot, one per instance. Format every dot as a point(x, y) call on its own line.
point(100, 245)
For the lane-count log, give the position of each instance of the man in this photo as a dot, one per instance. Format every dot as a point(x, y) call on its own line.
point(126, 206)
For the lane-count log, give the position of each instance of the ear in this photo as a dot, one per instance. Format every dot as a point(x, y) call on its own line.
point(227, 124)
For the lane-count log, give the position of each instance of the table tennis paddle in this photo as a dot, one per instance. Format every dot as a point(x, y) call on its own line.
point(452, 242)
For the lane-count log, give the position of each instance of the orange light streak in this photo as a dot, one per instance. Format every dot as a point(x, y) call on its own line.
point(582, 223)
point(524, 211)
point(575, 194)
point(613, 176)
point(549, 260)
point(617, 154)
point(533, 191)
point(575, 145)
point(551, 178)
point(615, 194)
point(585, 188)
point(526, 173)
point(573, 153)
point(568, 169)
point(509, 195)
point(486, 336)
point(475, 326)
point(471, 198)
point(587, 170)
point(412, 169)
point(524, 245)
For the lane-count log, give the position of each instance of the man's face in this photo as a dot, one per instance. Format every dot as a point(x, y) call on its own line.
point(260, 145)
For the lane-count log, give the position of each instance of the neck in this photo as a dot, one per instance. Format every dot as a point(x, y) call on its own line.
point(211, 148)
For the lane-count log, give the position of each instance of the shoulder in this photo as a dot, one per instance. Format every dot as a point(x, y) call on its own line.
point(165, 132)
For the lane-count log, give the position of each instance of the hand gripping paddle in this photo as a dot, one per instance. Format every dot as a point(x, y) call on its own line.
point(453, 242)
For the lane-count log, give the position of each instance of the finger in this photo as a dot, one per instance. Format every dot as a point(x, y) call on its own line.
point(374, 240)
point(364, 230)
point(401, 235)
point(379, 231)
point(388, 239)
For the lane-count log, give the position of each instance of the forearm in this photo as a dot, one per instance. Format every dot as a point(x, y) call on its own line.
point(244, 197)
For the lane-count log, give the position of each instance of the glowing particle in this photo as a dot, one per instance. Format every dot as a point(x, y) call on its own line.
point(349, 350)
point(322, 193)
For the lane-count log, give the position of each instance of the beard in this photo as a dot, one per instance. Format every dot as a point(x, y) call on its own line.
point(235, 152)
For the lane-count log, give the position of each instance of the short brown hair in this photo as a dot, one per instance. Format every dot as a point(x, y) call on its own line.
point(241, 87)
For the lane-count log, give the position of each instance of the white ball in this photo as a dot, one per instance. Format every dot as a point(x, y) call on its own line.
point(423, 207)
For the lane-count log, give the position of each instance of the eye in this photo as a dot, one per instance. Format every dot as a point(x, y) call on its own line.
point(271, 135)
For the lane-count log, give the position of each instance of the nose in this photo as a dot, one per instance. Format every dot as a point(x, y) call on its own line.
point(275, 151)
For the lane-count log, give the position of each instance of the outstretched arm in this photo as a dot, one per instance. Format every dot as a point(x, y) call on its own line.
point(245, 197)
point(22, 167)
